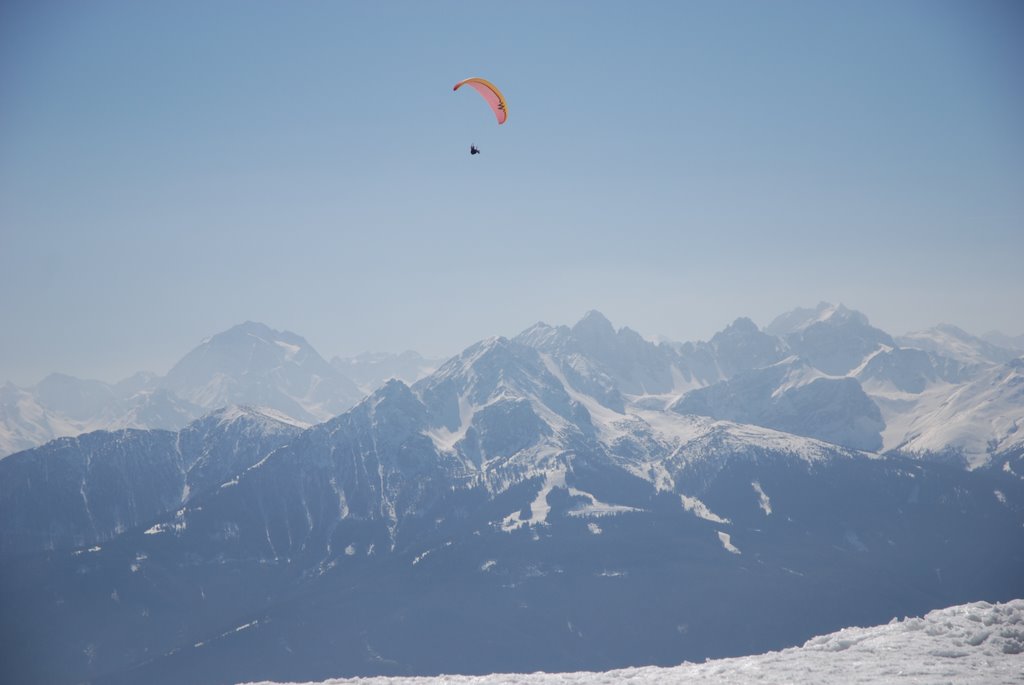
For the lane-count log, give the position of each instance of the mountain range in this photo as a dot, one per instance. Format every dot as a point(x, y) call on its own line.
point(249, 364)
point(573, 498)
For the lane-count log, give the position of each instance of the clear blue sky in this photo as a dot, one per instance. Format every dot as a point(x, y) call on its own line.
point(170, 169)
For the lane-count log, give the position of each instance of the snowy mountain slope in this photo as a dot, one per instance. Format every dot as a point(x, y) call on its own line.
point(938, 407)
point(970, 643)
point(23, 422)
point(973, 421)
point(488, 419)
point(953, 343)
point(794, 397)
point(496, 418)
point(502, 413)
point(908, 370)
point(254, 364)
point(576, 568)
point(657, 446)
point(742, 374)
point(931, 399)
point(75, 492)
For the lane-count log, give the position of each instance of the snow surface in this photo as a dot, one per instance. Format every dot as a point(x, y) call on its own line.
point(970, 643)
point(701, 510)
point(763, 501)
point(975, 419)
point(726, 541)
point(539, 508)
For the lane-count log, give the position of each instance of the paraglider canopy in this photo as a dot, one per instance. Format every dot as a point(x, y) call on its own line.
point(490, 93)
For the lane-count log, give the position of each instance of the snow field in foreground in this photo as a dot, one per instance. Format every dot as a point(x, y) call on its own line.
point(970, 643)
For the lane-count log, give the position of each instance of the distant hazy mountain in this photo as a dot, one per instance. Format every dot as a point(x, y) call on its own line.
point(1010, 342)
point(833, 339)
point(741, 346)
point(248, 364)
point(371, 370)
point(515, 510)
point(61, 405)
point(953, 343)
point(254, 364)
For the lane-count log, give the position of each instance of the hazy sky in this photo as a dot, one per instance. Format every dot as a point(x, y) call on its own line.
point(170, 169)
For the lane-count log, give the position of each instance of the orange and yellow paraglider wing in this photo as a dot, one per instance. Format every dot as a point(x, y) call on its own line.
point(490, 93)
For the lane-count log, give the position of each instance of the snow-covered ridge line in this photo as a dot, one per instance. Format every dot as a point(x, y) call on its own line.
point(241, 411)
point(970, 643)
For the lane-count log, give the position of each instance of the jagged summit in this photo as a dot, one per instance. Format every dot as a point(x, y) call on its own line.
point(742, 346)
point(594, 326)
point(742, 326)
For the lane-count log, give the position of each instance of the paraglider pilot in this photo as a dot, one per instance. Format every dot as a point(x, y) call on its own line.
point(474, 150)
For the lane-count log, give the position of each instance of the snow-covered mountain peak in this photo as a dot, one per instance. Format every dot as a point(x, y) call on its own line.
point(487, 359)
point(802, 318)
point(841, 312)
point(253, 328)
point(288, 347)
point(240, 349)
point(393, 391)
point(833, 338)
point(495, 369)
point(252, 363)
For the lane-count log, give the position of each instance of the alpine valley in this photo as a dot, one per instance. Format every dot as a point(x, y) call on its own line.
point(573, 498)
